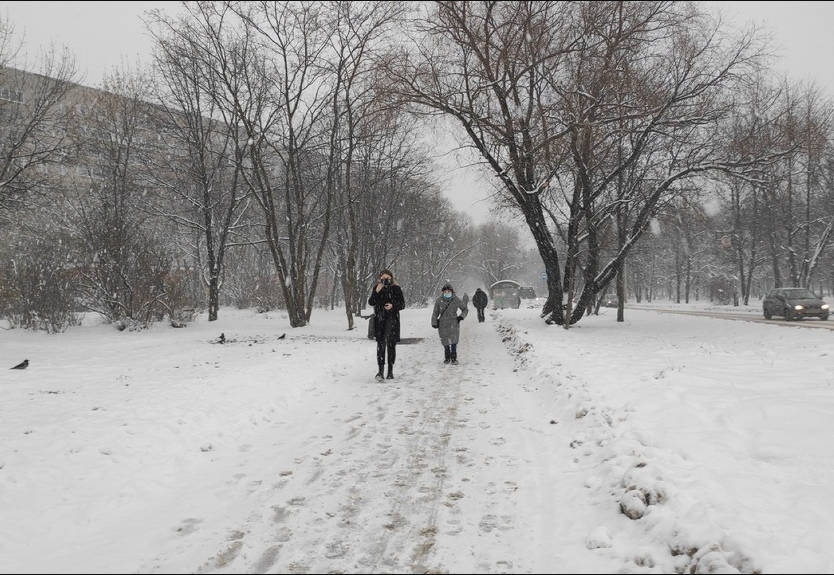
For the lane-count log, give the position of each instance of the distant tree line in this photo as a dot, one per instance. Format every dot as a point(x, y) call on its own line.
point(271, 157)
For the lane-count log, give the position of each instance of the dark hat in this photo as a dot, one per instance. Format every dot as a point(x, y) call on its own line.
point(447, 287)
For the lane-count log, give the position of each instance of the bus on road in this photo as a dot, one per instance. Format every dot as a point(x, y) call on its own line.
point(505, 294)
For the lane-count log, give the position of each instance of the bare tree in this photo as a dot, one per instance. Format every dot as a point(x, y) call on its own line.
point(124, 260)
point(264, 62)
point(362, 130)
point(808, 215)
point(34, 108)
point(205, 194)
point(497, 254)
point(780, 210)
point(562, 99)
point(287, 141)
point(436, 242)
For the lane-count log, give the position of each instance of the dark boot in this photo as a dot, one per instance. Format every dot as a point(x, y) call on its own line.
point(447, 354)
point(454, 358)
point(390, 371)
point(379, 374)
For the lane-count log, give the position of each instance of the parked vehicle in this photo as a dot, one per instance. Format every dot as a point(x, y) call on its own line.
point(610, 300)
point(794, 303)
point(505, 294)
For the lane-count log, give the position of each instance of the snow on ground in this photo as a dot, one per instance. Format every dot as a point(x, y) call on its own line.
point(665, 443)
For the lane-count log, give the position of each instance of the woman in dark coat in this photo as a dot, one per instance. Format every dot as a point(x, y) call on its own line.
point(387, 300)
point(446, 319)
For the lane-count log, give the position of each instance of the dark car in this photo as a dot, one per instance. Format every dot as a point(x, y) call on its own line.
point(610, 300)
point(794, 303)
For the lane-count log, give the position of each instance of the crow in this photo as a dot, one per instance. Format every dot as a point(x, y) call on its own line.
point(22, 365)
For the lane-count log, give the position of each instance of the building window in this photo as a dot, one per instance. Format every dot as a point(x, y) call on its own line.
point(11, 95)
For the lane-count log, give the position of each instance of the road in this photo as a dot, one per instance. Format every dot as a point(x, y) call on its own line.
point(746, 316)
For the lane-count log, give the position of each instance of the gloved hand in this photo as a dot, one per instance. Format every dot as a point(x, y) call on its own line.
point(435, 326)
point(460, 318)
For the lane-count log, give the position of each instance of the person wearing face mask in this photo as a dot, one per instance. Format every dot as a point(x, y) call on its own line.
point(387, 300)
point(449, 311)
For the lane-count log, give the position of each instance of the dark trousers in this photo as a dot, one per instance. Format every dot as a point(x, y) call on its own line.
point(386, 345)
point(480, 313)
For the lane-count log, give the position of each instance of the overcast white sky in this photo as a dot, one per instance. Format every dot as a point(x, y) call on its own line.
point(105, 34)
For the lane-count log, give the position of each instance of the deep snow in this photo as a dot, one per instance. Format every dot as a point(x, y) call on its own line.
point(164, 451)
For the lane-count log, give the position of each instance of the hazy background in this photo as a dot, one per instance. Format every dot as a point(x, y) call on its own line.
point(104, 35)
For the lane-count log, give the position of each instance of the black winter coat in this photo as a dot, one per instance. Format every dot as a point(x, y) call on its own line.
point(479, 300)
point(392, 294)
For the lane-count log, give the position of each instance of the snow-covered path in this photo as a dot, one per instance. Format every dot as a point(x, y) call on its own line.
point(427, 465)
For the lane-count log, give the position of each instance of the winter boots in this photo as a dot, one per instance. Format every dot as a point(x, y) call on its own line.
point(447, 351)
point(454, 358)
point(381, 375)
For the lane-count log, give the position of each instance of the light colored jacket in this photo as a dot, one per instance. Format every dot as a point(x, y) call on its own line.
point(445, 318)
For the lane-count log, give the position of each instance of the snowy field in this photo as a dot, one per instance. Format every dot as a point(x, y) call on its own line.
point(666, 443)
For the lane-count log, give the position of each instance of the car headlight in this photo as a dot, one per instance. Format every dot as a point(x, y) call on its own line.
point(799, 307)
point(825, 306)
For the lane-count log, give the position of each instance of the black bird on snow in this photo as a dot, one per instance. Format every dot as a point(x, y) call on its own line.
point(22, 365)
point(222, 338)
point(282, 336)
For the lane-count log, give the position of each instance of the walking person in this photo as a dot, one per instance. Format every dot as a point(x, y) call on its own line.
point(387, 300)
point(480, 300)
point(465, 299)
point(446, 320)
